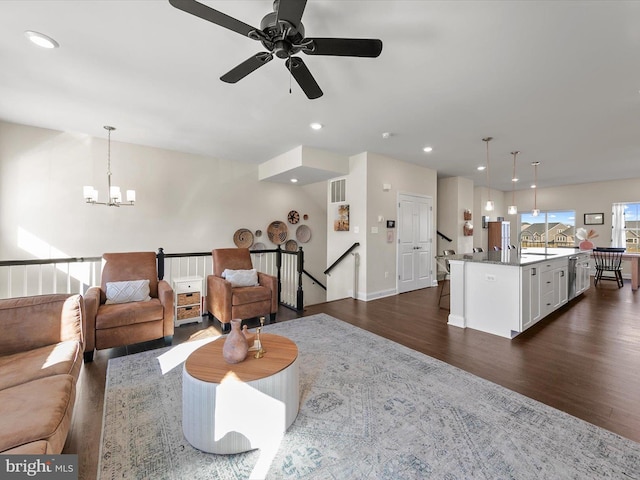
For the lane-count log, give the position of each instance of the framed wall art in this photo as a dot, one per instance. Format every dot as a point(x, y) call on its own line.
point(341, 221)
point(594, 218)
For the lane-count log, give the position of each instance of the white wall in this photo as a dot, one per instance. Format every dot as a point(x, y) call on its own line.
point(367, 200)
point(185, 203)
point(405, 178)
point(584, 198)
point(340, 281)
point(455, 195)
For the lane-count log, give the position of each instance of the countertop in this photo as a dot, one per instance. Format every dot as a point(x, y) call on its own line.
point(528, 256)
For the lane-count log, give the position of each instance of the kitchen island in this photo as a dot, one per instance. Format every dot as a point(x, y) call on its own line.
point(506, 292)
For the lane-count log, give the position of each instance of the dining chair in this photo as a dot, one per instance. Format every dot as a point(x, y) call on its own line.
point(478, 249)
point(608, 265)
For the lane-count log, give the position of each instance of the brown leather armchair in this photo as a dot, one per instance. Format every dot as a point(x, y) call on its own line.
point(225, 302)
point(118, 324)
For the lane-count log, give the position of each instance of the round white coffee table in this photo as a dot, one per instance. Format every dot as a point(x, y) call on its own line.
point(233, 408)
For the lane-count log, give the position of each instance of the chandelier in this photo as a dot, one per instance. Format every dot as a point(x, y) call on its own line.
point(115, 196)
point(513, 208)
point(489, 205)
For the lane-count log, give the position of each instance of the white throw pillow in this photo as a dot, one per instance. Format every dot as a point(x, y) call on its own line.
point(129, 291)
point(241, 278)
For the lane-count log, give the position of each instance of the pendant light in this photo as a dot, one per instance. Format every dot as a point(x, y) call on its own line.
point(113, 192)
point(513, 209)
point(535, 211)
point(490, 205)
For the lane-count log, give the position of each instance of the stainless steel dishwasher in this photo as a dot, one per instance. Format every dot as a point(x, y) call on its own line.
point(573, 265)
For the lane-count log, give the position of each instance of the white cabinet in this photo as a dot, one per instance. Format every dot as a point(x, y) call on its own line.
point(544, 288)
point(554, 285)
point(187, 300)
point(583, 279)
point(560, 286)
point(530, 296)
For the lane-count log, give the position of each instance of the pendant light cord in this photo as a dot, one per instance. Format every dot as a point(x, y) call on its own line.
point(487, 140)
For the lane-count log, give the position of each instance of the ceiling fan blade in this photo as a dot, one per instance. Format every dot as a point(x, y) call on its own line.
point(291, 11)
point(246, 67)
point(304, 78)
point(213, 16)
point(344, 47)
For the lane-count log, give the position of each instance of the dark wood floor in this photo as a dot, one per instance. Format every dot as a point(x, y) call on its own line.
point(584, 359)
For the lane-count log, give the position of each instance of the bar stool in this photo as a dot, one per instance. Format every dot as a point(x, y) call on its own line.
point(478, 249)
point(447, 275)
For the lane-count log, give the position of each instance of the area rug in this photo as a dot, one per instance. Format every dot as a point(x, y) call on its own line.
point(369, 409)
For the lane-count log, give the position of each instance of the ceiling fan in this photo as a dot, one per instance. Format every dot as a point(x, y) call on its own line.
point(281, 32)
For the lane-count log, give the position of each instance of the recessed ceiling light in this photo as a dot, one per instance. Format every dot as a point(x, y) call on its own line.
point(316, 126)
point(481, 167)
point(386, 135)
point(515, 179)
point(294, 180)
point(427, 149)
point(41, 40)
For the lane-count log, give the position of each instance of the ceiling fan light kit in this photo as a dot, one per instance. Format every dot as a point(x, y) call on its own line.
point(282, 34)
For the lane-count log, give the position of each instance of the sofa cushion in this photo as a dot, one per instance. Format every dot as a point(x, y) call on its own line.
point(128, 291)
point(23, 367)
point(242, 295)
point(32, 322)
point(37, 410)
point(41, 447)
point(120, 314)
point(241, 278)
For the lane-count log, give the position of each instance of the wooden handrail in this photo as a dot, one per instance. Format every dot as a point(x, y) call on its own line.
point(444, 236)
point(349, 250)
point(48, 261)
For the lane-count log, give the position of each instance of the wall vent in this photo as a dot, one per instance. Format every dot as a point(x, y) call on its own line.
point(338, 190)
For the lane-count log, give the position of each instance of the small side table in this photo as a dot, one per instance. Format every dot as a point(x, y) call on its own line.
point(233, 408)
point(187, 300)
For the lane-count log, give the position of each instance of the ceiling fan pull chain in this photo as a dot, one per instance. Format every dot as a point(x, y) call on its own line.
point(290, 74)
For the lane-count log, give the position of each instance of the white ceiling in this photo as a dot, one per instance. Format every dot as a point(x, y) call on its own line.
point(558, 81)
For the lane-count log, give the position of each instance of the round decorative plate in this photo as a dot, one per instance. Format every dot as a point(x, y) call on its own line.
point(305, 216)
point(303, 234)
point(293, 217)
point(243, 238)
point(259, 246)
point(277, 232)
point(291, 246)
point(258, 233)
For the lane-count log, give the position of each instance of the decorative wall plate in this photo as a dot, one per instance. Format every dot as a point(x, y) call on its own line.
point(258, 233)
point(243, 238)
point(293, 217)
point(277, 232)
point(305, 216)
point(259, 246)
point(303, 234)
point(291, 246)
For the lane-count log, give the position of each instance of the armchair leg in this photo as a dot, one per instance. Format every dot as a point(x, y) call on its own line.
point(168, 340)
point(272, 318)
point(88, 357)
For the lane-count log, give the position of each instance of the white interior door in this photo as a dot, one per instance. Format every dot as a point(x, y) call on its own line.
point(415, 260)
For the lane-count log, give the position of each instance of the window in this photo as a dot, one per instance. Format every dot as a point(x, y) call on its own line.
point(629, 227)
point(555, 229)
